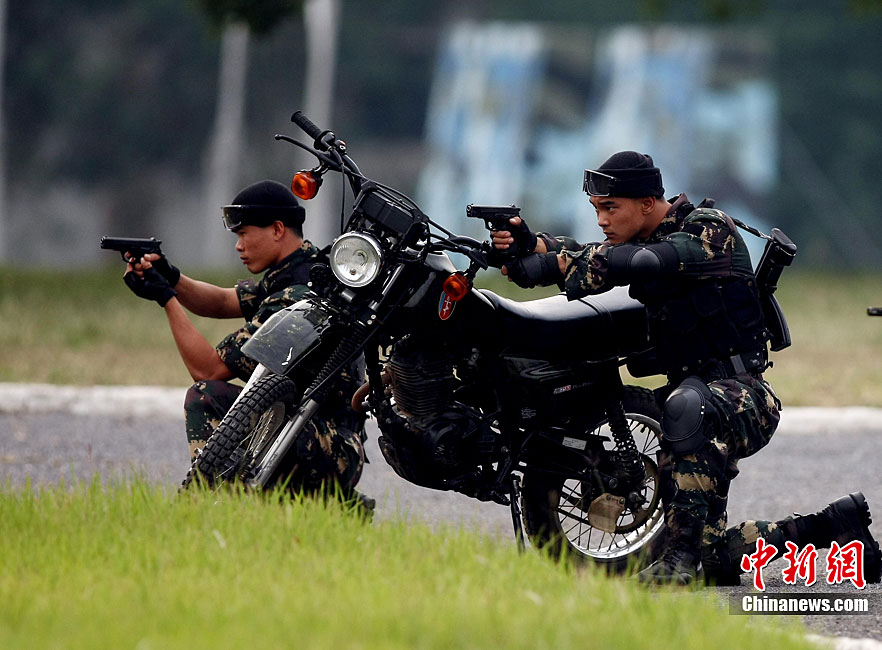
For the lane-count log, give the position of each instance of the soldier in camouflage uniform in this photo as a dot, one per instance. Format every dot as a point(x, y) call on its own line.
point(267, 221)
point(690, 268)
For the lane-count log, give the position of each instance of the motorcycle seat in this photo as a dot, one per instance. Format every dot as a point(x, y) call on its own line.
point(594, 328)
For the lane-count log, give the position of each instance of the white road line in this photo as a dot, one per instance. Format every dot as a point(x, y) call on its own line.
point(159, 400)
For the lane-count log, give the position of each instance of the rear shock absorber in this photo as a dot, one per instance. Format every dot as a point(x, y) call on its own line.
point(626, 454)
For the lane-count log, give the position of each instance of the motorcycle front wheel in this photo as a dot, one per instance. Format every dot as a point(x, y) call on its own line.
point(245, 433)
point(556, 510)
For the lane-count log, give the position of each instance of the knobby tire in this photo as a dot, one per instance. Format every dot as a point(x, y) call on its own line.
point(541, 497)
point(215, 464)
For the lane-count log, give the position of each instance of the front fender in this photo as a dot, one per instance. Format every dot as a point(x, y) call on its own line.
point(288, 336)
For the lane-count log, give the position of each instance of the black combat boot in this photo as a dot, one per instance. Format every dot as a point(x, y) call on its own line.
point(845, 520)
point(364, 505)
point(679, 563)
point(717, 569)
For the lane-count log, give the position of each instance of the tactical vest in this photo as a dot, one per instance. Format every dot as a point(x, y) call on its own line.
point(696, 322)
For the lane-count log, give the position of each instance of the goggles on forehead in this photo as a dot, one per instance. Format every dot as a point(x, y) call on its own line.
point(631, 183)
point(233, 216)
point(236, 216)
point(598, 184)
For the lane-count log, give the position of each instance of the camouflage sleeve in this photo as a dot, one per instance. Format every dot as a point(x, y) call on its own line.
point(586, 265)
point(558, 244)
point(250, 296)
point(706, 244)
point(230, 349)
point(586, 270)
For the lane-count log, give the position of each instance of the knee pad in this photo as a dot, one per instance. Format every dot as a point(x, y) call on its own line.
point(689, 417)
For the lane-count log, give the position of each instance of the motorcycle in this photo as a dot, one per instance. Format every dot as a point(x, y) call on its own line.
point(518, 403)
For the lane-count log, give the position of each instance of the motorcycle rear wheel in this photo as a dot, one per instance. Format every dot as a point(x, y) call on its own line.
point(556, 513)
point(246, 430)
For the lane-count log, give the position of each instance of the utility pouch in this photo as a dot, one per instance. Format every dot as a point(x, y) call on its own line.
point(779, 253)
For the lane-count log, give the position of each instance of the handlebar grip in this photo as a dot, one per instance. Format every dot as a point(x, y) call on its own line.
point(306, 124)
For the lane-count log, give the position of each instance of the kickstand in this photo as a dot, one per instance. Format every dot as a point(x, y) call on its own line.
point(516, 512)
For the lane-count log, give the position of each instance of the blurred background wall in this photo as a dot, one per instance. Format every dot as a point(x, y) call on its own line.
point(142, 117)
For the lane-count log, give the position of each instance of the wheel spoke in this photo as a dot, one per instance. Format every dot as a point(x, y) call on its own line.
point(634, 527)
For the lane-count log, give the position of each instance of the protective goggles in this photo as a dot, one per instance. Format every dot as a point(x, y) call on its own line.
point(631, 183)
point(598, 184)
point(236, 216)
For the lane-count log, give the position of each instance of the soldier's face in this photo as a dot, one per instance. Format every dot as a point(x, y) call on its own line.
point(257, 247)
point(622, 219)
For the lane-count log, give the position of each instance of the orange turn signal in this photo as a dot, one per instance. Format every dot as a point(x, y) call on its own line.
point(305, 185)
point(457, 286)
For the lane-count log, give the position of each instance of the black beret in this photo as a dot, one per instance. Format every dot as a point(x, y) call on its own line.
point(261, 204)
point(637, 175)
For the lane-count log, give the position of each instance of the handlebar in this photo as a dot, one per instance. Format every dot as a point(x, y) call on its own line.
point(322, 140)
point(335, 150)
point(306, 125)
point(331, 153)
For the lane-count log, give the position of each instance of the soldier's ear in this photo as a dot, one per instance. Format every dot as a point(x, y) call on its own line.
point(647, 204)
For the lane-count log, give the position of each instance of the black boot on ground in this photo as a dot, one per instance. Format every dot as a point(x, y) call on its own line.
point(845, 520)
point(365, 505)
point(849, 519)
point(679, 564)
point(717, 569)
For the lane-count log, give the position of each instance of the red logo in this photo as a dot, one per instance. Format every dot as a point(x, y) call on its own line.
point(800, 564)
point(757, 562)
point(844, 563)
point(445, 306)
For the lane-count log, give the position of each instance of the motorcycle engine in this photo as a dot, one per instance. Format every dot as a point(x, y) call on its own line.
point(443, 434)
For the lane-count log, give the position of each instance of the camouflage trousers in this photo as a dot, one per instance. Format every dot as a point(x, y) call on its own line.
point(326, 451)
point(696, 486)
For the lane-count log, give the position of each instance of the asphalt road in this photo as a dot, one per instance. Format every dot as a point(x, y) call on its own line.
point(48, 435)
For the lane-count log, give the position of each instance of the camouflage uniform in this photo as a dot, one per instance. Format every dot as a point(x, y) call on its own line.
point(330, 446)
point(695, 486)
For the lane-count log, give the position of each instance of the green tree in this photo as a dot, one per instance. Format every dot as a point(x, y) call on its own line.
point(238, 18)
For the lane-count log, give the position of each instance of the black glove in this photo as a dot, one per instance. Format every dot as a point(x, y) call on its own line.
point(539, 268)
point(151, 287)
point(167, 270)
point(524, 240)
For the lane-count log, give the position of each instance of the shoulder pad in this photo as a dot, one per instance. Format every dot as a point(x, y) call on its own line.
point(707, 215)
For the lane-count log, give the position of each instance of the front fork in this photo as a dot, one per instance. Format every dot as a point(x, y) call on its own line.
point(283, 443)
point(313, 398)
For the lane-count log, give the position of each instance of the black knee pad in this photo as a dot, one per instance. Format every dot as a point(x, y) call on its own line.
point(689, 418)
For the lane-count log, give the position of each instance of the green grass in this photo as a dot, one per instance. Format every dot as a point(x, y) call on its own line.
point(87, 328)
point(130, 566)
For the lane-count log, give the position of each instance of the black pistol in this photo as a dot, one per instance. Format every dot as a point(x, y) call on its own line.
point(496, 217)
point(134, 246)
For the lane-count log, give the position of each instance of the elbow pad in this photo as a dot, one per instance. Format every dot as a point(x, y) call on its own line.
point(629, 262)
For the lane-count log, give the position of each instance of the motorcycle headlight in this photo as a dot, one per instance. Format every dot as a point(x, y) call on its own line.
point(356, 259)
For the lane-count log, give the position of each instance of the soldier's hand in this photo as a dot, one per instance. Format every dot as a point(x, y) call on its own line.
point(540, 269)
point(149, 285)
point(160, 263)
point(518, 241)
